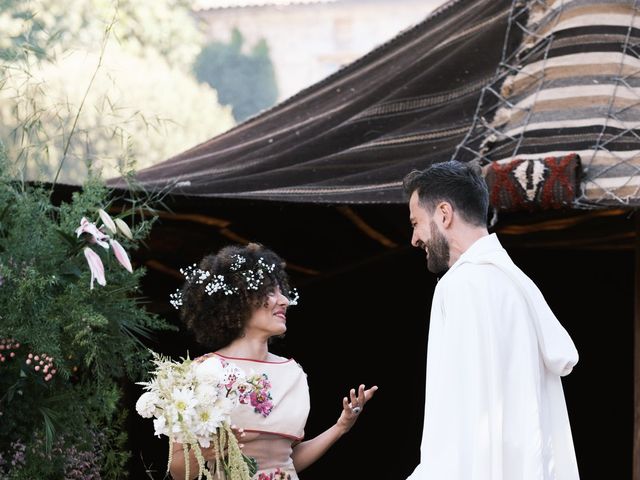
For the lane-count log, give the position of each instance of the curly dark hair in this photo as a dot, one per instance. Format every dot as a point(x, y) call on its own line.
point(218, 319)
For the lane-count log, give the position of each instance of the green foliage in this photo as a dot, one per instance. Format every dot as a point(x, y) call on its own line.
point(64, 415)
point(22, 33)
point(70, 103)
point(136, 109)
point(101, 86)
point(142, 27)
point(244, 80)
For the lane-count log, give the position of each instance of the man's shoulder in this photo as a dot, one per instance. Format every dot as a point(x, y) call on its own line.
point(473, 270)
point(480, 276)
point(485, 284)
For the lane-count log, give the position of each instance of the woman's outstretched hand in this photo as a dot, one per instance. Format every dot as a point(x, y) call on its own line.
point(307, 452)
point(352, 407)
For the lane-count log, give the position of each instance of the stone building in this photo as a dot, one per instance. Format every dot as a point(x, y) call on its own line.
point(310, 39)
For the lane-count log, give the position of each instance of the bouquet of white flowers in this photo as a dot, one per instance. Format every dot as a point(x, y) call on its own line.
point(191, 402)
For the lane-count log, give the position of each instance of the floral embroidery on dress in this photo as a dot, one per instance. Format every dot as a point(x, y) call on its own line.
point(254, 390)
point(257, 394)
point(277, 474)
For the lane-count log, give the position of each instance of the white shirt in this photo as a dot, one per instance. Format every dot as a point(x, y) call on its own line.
point(495, 408)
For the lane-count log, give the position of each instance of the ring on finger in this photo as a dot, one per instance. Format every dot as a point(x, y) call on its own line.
point(356, 410)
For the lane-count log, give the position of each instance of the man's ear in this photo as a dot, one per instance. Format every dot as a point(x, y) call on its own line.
point(446, 214)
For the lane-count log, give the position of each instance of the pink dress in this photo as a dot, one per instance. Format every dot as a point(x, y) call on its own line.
point(274, 421)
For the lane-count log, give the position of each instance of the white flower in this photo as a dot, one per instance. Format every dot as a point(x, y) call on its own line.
point(209, 371)
point(225, 405)
point(190, 401)
point(169, 378)
point(107, 220)
point(183, 402)
point(124, 228)
point(160, 426)
point(206, 393)
point(206, 423)
point(177, 430)
point(147, 404)
point(204, 442)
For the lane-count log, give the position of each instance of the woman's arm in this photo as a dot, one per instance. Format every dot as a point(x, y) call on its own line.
point(306, 453)
point(177, 468)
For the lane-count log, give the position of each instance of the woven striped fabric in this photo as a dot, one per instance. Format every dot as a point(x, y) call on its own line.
point(576, 89)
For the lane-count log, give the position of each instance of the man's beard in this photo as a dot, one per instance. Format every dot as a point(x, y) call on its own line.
point(438, 251)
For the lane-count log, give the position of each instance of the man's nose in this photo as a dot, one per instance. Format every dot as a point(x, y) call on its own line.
point(415, 240)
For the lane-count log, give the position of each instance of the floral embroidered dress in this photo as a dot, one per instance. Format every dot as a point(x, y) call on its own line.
point(274, 417)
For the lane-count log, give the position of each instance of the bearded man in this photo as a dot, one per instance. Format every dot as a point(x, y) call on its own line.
point(495, 408)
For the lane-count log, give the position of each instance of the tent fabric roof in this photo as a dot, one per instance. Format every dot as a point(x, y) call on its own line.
point(217, 4)
point(570, 87)
point(352, 137)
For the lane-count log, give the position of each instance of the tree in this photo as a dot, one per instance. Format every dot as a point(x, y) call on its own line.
point(246, 81)
point(100, 85)
point(137, 112)
point(50, 28)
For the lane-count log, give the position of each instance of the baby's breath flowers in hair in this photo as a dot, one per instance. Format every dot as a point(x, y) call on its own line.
point(294, 296)
point(238, 261)
point(218, 284)
point(253, 278)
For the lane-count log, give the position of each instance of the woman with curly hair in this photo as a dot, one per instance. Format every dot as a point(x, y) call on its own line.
point(234, 302)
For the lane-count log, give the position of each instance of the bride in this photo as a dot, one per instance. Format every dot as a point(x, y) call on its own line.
point(234, 302)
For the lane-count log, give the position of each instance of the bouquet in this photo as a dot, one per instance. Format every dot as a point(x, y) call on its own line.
point(191, 402)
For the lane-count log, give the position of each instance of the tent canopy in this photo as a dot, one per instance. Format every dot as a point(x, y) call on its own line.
point(484, 80)
point(352, 137)
point(460, 84)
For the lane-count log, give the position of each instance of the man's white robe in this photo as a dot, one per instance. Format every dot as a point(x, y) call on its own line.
point(495, 409)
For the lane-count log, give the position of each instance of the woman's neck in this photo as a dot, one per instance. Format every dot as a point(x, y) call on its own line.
point(246, 347)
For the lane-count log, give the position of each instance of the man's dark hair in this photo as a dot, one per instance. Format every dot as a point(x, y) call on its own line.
point(455, 182)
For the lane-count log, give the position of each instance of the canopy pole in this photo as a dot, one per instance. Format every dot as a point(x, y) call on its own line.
point(636, 360)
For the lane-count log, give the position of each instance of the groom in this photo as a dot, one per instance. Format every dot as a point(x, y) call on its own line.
point(495, 408)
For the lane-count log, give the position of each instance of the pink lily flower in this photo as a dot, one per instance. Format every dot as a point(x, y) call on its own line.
point(107, 220)
point(96, 267)
point(96, 235)
point(121, 255)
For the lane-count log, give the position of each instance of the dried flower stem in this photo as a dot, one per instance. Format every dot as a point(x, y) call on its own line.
point(170, 454)
point(187, 462)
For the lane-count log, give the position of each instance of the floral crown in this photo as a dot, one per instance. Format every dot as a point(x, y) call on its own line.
point(253, 277)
